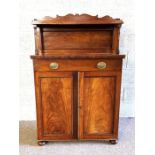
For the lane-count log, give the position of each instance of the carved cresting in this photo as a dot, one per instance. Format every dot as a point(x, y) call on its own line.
point(77, 18)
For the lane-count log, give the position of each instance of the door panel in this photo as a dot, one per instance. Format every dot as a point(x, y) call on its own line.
point(56, 105)
point(56, 100)
point(97, 104)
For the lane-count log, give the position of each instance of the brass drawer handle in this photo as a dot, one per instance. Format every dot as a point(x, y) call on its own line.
point(101, 65)
point(54, 65)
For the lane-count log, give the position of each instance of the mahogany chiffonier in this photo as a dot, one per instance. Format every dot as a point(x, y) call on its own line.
point(77, 72)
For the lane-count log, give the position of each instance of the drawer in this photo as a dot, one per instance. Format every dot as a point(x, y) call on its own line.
point(77, 65)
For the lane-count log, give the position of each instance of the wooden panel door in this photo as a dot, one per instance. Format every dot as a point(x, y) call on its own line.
point(56, 110)
point(99, 104)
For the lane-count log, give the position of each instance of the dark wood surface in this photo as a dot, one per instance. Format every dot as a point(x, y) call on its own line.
point(77, 19)
point(77, 33)
point(55, 105)
point(78, 55)
point(99, 104)
point(78, 99)
point(77, 65)
point(88, 39)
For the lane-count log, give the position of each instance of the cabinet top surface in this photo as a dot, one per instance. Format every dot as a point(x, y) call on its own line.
point(83, 19)
point(79, 56)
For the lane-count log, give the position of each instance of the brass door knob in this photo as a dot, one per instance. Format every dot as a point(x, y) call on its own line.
point(101, 65)
point(54, 65)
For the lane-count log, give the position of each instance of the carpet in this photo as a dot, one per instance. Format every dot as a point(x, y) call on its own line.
point(125, 146)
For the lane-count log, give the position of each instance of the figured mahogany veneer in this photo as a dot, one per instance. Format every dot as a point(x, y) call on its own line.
point(99, 104)
point(55, 103)
point(77, 70)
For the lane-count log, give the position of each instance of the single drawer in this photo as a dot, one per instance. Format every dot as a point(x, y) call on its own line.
point(77, 65)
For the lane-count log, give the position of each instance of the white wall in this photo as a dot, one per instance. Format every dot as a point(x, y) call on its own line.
point(30, 9)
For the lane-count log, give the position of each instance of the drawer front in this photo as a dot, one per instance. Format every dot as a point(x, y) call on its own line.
point(77, 65)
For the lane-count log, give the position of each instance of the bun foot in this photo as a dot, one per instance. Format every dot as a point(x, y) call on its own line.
point(41, 143)
point(113, 141)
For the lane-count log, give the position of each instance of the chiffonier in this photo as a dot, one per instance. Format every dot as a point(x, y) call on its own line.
point(77, 72)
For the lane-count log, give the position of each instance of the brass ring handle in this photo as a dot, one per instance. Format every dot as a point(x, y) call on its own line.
point(101, 65)
point(54, 65)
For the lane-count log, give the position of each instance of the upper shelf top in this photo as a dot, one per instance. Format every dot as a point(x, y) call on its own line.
point(71, 19)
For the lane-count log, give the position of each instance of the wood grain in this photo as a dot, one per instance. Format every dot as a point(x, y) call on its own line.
point(77, 32)
point(78, 40)
point(76, 54)
point(98, 101)
point(56, 100)
point(78, 100)
point(56, 95)
point(77, 19)
point(38, 41)
point(77, 65)
point(98, 104)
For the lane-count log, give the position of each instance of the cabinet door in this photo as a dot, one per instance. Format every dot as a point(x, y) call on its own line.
point(55, 107)
point(99, 104)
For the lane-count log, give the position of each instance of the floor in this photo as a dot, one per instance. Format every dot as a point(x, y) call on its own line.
point(125, 146)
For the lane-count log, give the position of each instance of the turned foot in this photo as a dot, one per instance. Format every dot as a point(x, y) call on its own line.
point(41, 143)
point(113, 141)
